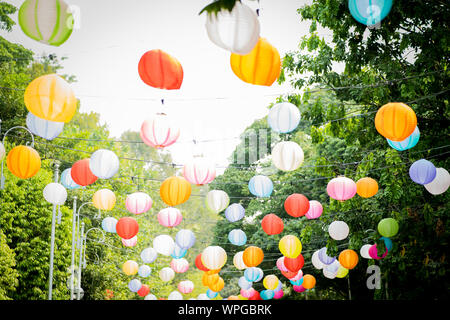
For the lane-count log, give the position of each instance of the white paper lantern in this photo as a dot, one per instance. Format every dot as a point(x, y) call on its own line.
point(364, 251)
point(104, 164)
point(159, 131)
point(287, 155)
point(129, 242)
point(217, 200)
point(166, 274)
point(109, 224)
point(186, 286)
point(238, 261)
point(44, 128)
point(185, 239)
point(214, 257)
point(338, 230)
point(316, 261)
point(55, 193)
point(244, 283)
point(170, 217)
point(144, 271)
point(199, 171)
point(150, 297)
point(202, 296)
point(283, 117)
point(149, 255)
point(440, 183)
point(235, 212)
point(236, 31)
point(179, 265)
point(134, 285)
point(175, 295)
point(163, 244)
point(138, 202)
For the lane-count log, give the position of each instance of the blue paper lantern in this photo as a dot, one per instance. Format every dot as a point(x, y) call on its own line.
point(253, 274)
point(297, 282)
point(422, 171)
point(234, 212)
point(109, 224)
point(267, 294)
point(406, 144)
point(178, 252)
point(185, 239)
point(244, 283)
point(134, 285)
point(44, 128)
point(283, 117)
point(369, 12)
point(387, 243)
point(237, 237)
point(211, 294)
point(260, 186)
point(144, 271)
point(67, 181)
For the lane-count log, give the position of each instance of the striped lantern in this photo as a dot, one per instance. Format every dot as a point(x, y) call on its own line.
point(134, 285)
point(341, 188)
point(138, 202)
point(104, 164)
point(237, 237)
point(166, 274)
point(283, 117)
point(408, 143)
point(179, 265)
point(46, 129)
point(238, 261)
point(199, 171)
point(109, 224)
point(23, 162)
point(324, 258)
point(67, 181)
point(185, 286)
point(104, 199)
point(170, 217)
point(178, 252)
point(260, 186)
point(235, 212)
point(287, 156)
point(315, 210)
point(144, 271)
point(217, 200)
point(130, 242)
point(159, 131)
point(185, 238)
point(214, 257)
point(422, 172)
point(148, 255)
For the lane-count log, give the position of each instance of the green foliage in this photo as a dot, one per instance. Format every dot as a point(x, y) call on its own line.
point(8, 275)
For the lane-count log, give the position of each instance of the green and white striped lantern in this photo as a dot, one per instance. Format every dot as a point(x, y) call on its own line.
point(46, 21)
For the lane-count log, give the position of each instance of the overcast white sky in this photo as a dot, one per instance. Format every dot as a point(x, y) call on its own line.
point(104, 53)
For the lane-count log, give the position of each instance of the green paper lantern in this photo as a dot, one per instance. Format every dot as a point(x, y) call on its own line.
point(46, 21)
point(388, 227)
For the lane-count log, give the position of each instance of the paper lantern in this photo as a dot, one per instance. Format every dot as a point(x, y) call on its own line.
point(342, 272)
point(283, 117)
point(348, 259)
point(67, 181)
point(159, 131)
point(109, 224)
point(308, 281)
point(46, 21)
point(237, 237)
point(260, 186)
point(134, 285)
point(262, 66)
point(163, 244)
point(329, 272)
point(253, 256)
point(144, 271)
point(160, 70)
point(255, 296)
point(211, 294)
point(104, 164)
point(440, 183)
point(298, 276)
point(238, 261)
point(150, 297)
point(175, 191)
point(129, 242)
point(46, 129)
point(50, 97)
point(270, 282)
point(2, 151)
point(315, 210)
point(316, 261)
point(199, 263)
point(178, 252)
point(209, 279)
point(185, 286)
point(202, 296)
point(324, 258)
point(298, 288)
point(23, 162)
point(185, 238)
point(341, 188)
point(406, 144)
point(214, 257)
point(395, 121)
point(244, 284)
point(81, 173)
point(143, 291)
point(364, 251)
point(179, 265)
point(127, 227)
point(253, 274)
point(267, 294)
point(373, 252)
point(175, 295)
point(388, 227)
point(166, 274)
point(104, 199)
point(338, 230)
point(280, 264)
point(422, 172)
point(387, 242)
point(369, 12)
point(366, 187)
point(130, 267)
point(55, 193)
point(272, 224)
point(290, 246)
point(217, 286)
point(148, 255)
point(138, 202)
point(199, 171)
point(297, 282)
point(296, 205)
point(278, 294)
point(287, 156)
point(234, 212)
point(170, 217)
point(294, 264)
point(217, 200)
point(236, 30)
point(247, 293)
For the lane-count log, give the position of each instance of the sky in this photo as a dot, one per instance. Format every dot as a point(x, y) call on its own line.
point(110, 37)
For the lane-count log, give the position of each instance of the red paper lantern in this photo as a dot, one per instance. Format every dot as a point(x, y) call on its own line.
point(289, 274)
point(272, 224)
point(143, 291)
point(199, 263)
point(294, 264)
point(127, 227)
point(255, 296)
point(81, 173)
point(160, 70)
point(296, 205)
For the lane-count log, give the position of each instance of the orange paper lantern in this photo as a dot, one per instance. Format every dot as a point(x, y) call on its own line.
point(395, 121)
point(366, 187)
point(210, 279)
point(218, 285)
point(252, 256)
point(23, 162)
point(272, 224)
point(159, 69)
point(175, 191)
point(81, 173)
point(308, 281)
point(348, 259)
point(296, 205)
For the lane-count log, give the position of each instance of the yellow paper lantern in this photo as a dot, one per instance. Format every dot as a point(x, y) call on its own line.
point(130, 267)
point(290, 246)
point(50, 97)
point(217, 286)
point(23, 162)
point(270, 282)
point(104, 199)
point(210, 279)
point(175, 191)
point(395, 121)
point(262, 66)
point(342, 272)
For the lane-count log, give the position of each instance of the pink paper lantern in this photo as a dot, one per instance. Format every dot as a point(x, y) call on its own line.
point(315, 210)
point(138, 202)
point(298, 288)
point(373, 253)
point(297, 276)
point(341, 188)
point(179, 265)
point(129, 242)
point(170, 217)
point(278, 294)
point(248, 293)
point(280, 265)
point(185, 286)
point(159, 132)
point(199, 171)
